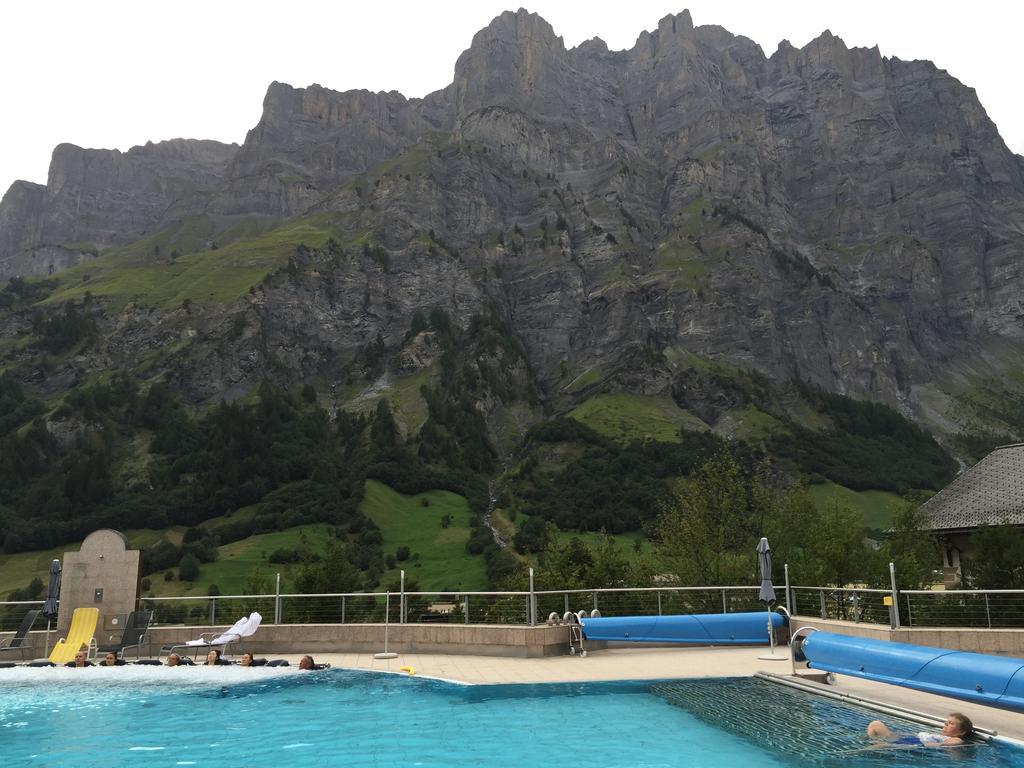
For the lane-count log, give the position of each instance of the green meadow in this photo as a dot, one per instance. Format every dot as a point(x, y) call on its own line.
point(416, 522)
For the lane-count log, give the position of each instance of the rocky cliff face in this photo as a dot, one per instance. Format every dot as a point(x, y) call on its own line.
point(823, 213)
point(95, 199)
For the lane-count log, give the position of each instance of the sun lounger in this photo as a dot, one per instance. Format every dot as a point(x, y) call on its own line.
point(132, 636)
point(18, 642)
point(82, 633)
point(244, 627)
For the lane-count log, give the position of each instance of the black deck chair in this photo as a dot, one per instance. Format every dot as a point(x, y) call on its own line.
point(17, 643)
point(133, 636)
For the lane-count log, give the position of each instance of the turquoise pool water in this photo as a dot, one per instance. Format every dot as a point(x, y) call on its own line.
point(234, 717)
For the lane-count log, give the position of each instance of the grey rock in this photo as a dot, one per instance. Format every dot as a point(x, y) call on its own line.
point(824, 213)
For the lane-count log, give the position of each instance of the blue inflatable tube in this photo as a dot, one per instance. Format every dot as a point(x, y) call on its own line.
point(702, 629)
point(994, 680)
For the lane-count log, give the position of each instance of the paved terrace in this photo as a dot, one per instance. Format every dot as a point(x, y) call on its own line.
point(660, 663)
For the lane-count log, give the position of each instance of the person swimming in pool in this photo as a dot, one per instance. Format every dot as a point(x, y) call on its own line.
point(111, 660)
point(173, 660)
point(81, 660)
point(955, 730)
point(306, 662)
point(246, 660)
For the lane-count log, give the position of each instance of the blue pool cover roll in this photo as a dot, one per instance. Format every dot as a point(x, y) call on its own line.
point(994, 680)
point(704, 629)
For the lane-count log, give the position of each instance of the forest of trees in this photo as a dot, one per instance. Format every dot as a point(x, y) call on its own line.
point(870, 446)
point(118, 453)
point(705, 531)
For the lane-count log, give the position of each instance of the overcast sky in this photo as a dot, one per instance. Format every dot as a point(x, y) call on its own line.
point(116, 74)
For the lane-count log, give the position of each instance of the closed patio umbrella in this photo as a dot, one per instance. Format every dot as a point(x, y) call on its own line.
point(764, 565)
point(767, 592)
point(52, 595)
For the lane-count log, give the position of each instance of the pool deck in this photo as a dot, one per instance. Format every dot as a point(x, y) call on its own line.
point(660, 663)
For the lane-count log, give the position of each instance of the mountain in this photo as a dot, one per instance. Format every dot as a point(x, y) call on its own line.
point(688, 220)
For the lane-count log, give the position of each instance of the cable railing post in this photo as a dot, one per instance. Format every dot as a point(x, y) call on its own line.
point(401, 597)
point(789, 601)
point(213, 611)
point(595, 600)
point(895, 597)
point(465, 608)
point(856, 608)
point(910, 616)
point(725, 608)
point(566, 610)
point(277, 600)
point(988, 615)
point(821, 597)
point(532, 603)
point(659, 602)
point(342, 609)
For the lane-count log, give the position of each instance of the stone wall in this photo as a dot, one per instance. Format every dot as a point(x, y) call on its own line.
point(472, 639)
point(104, 574)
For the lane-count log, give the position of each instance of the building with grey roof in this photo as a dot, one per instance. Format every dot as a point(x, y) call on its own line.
point(989, 493)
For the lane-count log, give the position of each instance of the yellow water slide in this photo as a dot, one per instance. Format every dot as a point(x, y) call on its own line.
point(83, 628)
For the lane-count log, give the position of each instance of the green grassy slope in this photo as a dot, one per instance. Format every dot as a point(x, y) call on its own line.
point(877, 507)
point(239, 560)
point(626, 542)
point(212, 275)
point(404, 521)
point(624, 416)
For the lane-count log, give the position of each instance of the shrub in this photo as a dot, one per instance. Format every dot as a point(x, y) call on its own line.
point(188, 568)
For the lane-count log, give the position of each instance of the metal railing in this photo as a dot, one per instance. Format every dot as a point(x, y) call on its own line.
point(518, 608)
point(969, 608)
point(12, 612)
point(843, 603)
point(987, 609)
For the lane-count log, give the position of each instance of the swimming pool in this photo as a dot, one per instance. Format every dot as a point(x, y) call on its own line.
point(260, 717)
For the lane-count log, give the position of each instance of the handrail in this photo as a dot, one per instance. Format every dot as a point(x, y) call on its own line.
point(792, 640)
point(994, 608)
point(667, 587)
point(458, 593)
point(852, 589)
point(961, 591)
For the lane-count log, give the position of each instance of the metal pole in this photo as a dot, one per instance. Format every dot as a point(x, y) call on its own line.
point(277, 600)
point(910, 616)
point(856, 608)
point(659, 602)
point(895, 596)
point(725, 608)
point(566, 610)
point(465, 608)
point(821, 597)
point(988, 615)
point(789, 602)
point(387, 611)
point(342, 609)
point(213, 611)
point(595, 601)
point(532, 603)
point(401, 599)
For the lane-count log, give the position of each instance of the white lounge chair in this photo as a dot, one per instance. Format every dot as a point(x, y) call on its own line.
point(244, 627)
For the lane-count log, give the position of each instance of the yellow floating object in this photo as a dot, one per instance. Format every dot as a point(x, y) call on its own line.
point(410, 670)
